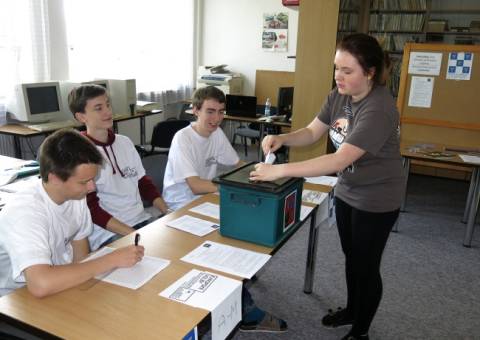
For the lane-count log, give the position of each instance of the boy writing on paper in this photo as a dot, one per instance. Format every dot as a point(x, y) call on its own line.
point(116, 203)
point(44, 230)
point(193, 158)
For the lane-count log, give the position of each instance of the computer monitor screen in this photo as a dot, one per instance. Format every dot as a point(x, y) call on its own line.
point(36, 102)
point(285, 101)
point(42, 99)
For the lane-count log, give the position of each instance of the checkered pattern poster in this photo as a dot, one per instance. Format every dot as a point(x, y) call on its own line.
point(459, 65)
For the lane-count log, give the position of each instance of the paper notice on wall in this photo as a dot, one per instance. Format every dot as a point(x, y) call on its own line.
point(459, 65)
point(425, 63)
point(421, 90)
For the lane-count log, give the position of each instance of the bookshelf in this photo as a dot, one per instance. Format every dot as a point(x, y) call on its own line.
point(394, 23)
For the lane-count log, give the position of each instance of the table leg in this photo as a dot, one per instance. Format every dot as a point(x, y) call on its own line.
point(17, 147)
point(262, 134)
point(142, 131)
point(311, 252)
point(471, 189)
point(473, 209)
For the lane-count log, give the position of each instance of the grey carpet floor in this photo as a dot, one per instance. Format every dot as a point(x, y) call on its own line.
point(431, 282)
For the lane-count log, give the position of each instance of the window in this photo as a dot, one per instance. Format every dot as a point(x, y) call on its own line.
point(149, 40)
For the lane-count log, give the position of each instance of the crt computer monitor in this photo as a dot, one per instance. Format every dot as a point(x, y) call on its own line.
point(122, 94)
point(36, 102)
point(285, 102)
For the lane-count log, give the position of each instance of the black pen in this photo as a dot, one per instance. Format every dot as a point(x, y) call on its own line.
point(137, 238)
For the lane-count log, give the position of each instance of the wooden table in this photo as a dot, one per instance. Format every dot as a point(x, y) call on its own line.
point(410, 151)
point(18, 131)
point(99, 310)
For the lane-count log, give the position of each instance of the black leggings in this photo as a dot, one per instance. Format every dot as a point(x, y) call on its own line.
point(363, 236)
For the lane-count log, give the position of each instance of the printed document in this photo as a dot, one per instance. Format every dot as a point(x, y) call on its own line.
point(207, 209)
point(133, 277)
point(313, 196)
point(221, 295)
point(193, 225)
point(330, 181)
point(470, 159)
point(304, 211)
point(228, 259)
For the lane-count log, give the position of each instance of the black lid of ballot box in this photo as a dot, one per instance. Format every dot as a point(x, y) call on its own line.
point(240, 178)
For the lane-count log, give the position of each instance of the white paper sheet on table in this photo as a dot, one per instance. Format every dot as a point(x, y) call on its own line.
point(218, 294)
point(133, 277)
point(193, 225)
point(304, 211)
point(324, 180)
point(313, 196)
point(207, 209)
point(470, 159)
point(228, 259)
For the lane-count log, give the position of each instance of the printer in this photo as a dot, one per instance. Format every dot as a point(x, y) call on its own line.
point(229, 83)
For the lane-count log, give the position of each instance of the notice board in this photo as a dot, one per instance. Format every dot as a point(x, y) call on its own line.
point(445, 107)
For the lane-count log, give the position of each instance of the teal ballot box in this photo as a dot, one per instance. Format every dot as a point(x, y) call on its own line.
point(258, 212)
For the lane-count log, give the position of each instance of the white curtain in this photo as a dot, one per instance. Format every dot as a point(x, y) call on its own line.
point(149, 40)
point(25, 49)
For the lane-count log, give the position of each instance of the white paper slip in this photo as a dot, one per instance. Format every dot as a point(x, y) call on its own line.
point(270, 158)
point(207, 209)
point(193, 225)
point(313, 196)
point(218, 294)
point(330, 181)
point(132, 277)
point(228, 259)
point(304, 211)
point(470, 159)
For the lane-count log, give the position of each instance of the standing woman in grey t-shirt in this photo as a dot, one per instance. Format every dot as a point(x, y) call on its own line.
point(362, 121)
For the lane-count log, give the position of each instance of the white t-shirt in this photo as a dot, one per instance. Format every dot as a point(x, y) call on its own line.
point(35, 230)
point(119, 196)
point(193, 155)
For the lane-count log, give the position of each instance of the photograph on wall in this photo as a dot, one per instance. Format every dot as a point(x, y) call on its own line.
point(275, 32)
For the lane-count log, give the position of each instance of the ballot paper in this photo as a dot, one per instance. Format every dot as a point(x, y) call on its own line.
point(193, 225)
point(228, 259)
point(330, 181)
point(270, 158)
point(220, 295)
point(313, 196)
point(207, 209)
point(133, 277)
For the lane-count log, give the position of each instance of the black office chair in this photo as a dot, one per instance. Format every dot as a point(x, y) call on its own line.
point(155, 166)
point(251, 131)
point(162, 137)
point(183, 115)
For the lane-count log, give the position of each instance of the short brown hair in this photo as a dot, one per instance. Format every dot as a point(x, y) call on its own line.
point(62, 151)
point(78, 96)
point(204, 93)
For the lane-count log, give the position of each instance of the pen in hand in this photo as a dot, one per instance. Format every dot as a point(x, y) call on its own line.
point(137, 239)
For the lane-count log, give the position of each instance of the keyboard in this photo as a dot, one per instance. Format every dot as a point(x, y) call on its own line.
point(51, 126)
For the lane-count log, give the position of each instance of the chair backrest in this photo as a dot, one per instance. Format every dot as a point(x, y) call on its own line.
point(164, 131)
point(155, 168)
point(184, 115)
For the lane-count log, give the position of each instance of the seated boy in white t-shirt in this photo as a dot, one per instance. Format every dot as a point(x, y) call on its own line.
point(116, 205)
point(44, 229)
point(194, 155)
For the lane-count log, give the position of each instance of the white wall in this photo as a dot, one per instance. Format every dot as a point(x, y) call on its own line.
point(231, 33)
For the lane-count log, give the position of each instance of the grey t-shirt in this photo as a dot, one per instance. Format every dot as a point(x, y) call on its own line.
point(376, 181)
